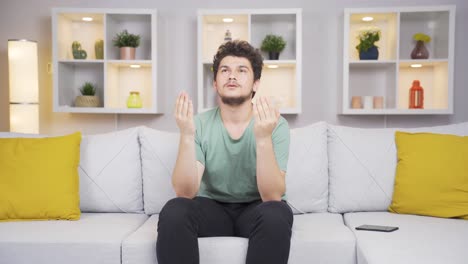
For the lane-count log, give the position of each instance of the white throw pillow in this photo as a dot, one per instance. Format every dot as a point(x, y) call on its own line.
point(307, 175)
point(362, 164)
point(110, 173)
point(158, 156)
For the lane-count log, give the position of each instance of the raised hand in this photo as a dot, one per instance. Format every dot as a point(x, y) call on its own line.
point(183, 113)
point(266, 116)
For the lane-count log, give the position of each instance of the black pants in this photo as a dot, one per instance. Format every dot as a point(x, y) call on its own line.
point(267, 225)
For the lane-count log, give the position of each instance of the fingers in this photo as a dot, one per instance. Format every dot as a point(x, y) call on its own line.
point(183, 106)
point(256, 114)
point(190, 108)
point(265, 108)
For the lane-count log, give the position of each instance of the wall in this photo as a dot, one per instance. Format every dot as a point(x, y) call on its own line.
point(322, 60)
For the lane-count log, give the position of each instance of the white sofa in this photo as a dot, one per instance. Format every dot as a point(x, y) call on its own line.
point(338, 178)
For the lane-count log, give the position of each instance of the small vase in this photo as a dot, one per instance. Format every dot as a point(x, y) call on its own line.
point(371, 54)
point(99, 49)
point(134, 100)
point(420, 51)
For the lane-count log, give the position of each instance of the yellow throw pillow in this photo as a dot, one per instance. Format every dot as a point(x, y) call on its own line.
point(431, 176)
point(39, 178)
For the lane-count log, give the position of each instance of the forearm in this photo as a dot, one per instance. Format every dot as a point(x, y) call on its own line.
point(185, 178)
point(270, 179)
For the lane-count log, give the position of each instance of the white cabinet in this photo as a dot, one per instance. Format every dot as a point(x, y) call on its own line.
point(391, 76)
point(280, 78)
point(114, 78)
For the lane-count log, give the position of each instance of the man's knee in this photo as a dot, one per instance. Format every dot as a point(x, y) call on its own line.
point(176, 210)
point(275, 214)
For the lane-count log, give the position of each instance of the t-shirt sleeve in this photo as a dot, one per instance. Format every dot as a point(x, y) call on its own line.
point(281, 139)
point(200, 155)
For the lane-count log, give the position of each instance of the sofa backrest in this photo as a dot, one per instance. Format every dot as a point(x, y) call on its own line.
point(335, 168)
point(158, 156)
point(362, 165)
point(109, 171)
point(307, 175)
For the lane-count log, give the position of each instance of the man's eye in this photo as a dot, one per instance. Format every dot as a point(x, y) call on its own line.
point(223, 70)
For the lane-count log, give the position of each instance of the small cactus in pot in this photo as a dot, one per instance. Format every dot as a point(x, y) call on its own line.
point(77, 52)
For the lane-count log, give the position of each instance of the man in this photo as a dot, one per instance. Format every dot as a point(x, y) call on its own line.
point(229, 176)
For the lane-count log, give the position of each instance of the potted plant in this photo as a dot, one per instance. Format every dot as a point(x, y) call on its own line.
point(366, 47)
point(127, 43)
point(420, 51)
point(273, 44)
point(88, 97)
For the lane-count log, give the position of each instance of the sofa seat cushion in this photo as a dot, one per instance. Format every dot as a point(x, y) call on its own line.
point(420, 239)
point(316, 239)
point(95, 238)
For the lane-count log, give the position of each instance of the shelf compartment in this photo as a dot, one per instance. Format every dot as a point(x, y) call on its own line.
point(280, 83)
point(373, 79)
point(209, 94)
point(121, 79)
point(71, 77)
point(386, 22)
point(71, 27)
point(434, 78)
point(214, 28)
point(283, 25)
point(138, 24)
point(435, 24)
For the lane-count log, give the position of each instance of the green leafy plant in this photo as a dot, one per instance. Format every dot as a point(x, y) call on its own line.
point(88, 89)
point(125, 39)
point(421, 37)
point(367, 37)
point(273, 43)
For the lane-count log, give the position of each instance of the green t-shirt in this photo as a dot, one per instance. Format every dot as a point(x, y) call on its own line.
point(230, 165)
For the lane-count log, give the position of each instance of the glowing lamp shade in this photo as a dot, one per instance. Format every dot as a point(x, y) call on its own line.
point(24, 86)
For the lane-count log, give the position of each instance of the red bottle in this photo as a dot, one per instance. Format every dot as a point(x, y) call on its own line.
point(416, 96)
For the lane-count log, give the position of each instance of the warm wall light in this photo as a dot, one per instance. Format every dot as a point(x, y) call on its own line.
point(135, 66)
point(228, 20)
point(367, 18)
point(24, 86)
point(416, 65)
point(273, 66)
point(87, 19)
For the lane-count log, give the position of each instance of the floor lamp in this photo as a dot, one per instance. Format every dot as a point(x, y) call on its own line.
point(24, 86)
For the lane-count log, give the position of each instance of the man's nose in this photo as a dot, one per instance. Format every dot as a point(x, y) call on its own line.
point(232, 76)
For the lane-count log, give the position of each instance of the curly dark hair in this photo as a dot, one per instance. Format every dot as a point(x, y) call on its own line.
point(239, 48)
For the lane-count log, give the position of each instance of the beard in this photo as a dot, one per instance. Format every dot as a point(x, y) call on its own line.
point(236, 101)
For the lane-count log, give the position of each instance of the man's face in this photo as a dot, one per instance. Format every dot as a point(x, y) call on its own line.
point(235, 80)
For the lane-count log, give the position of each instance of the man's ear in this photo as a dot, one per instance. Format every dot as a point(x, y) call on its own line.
point(214, 85)
point(256, 84)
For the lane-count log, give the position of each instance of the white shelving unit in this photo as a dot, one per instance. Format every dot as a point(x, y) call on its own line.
point(391, 75)
point(114, 78)
point(283, 82)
